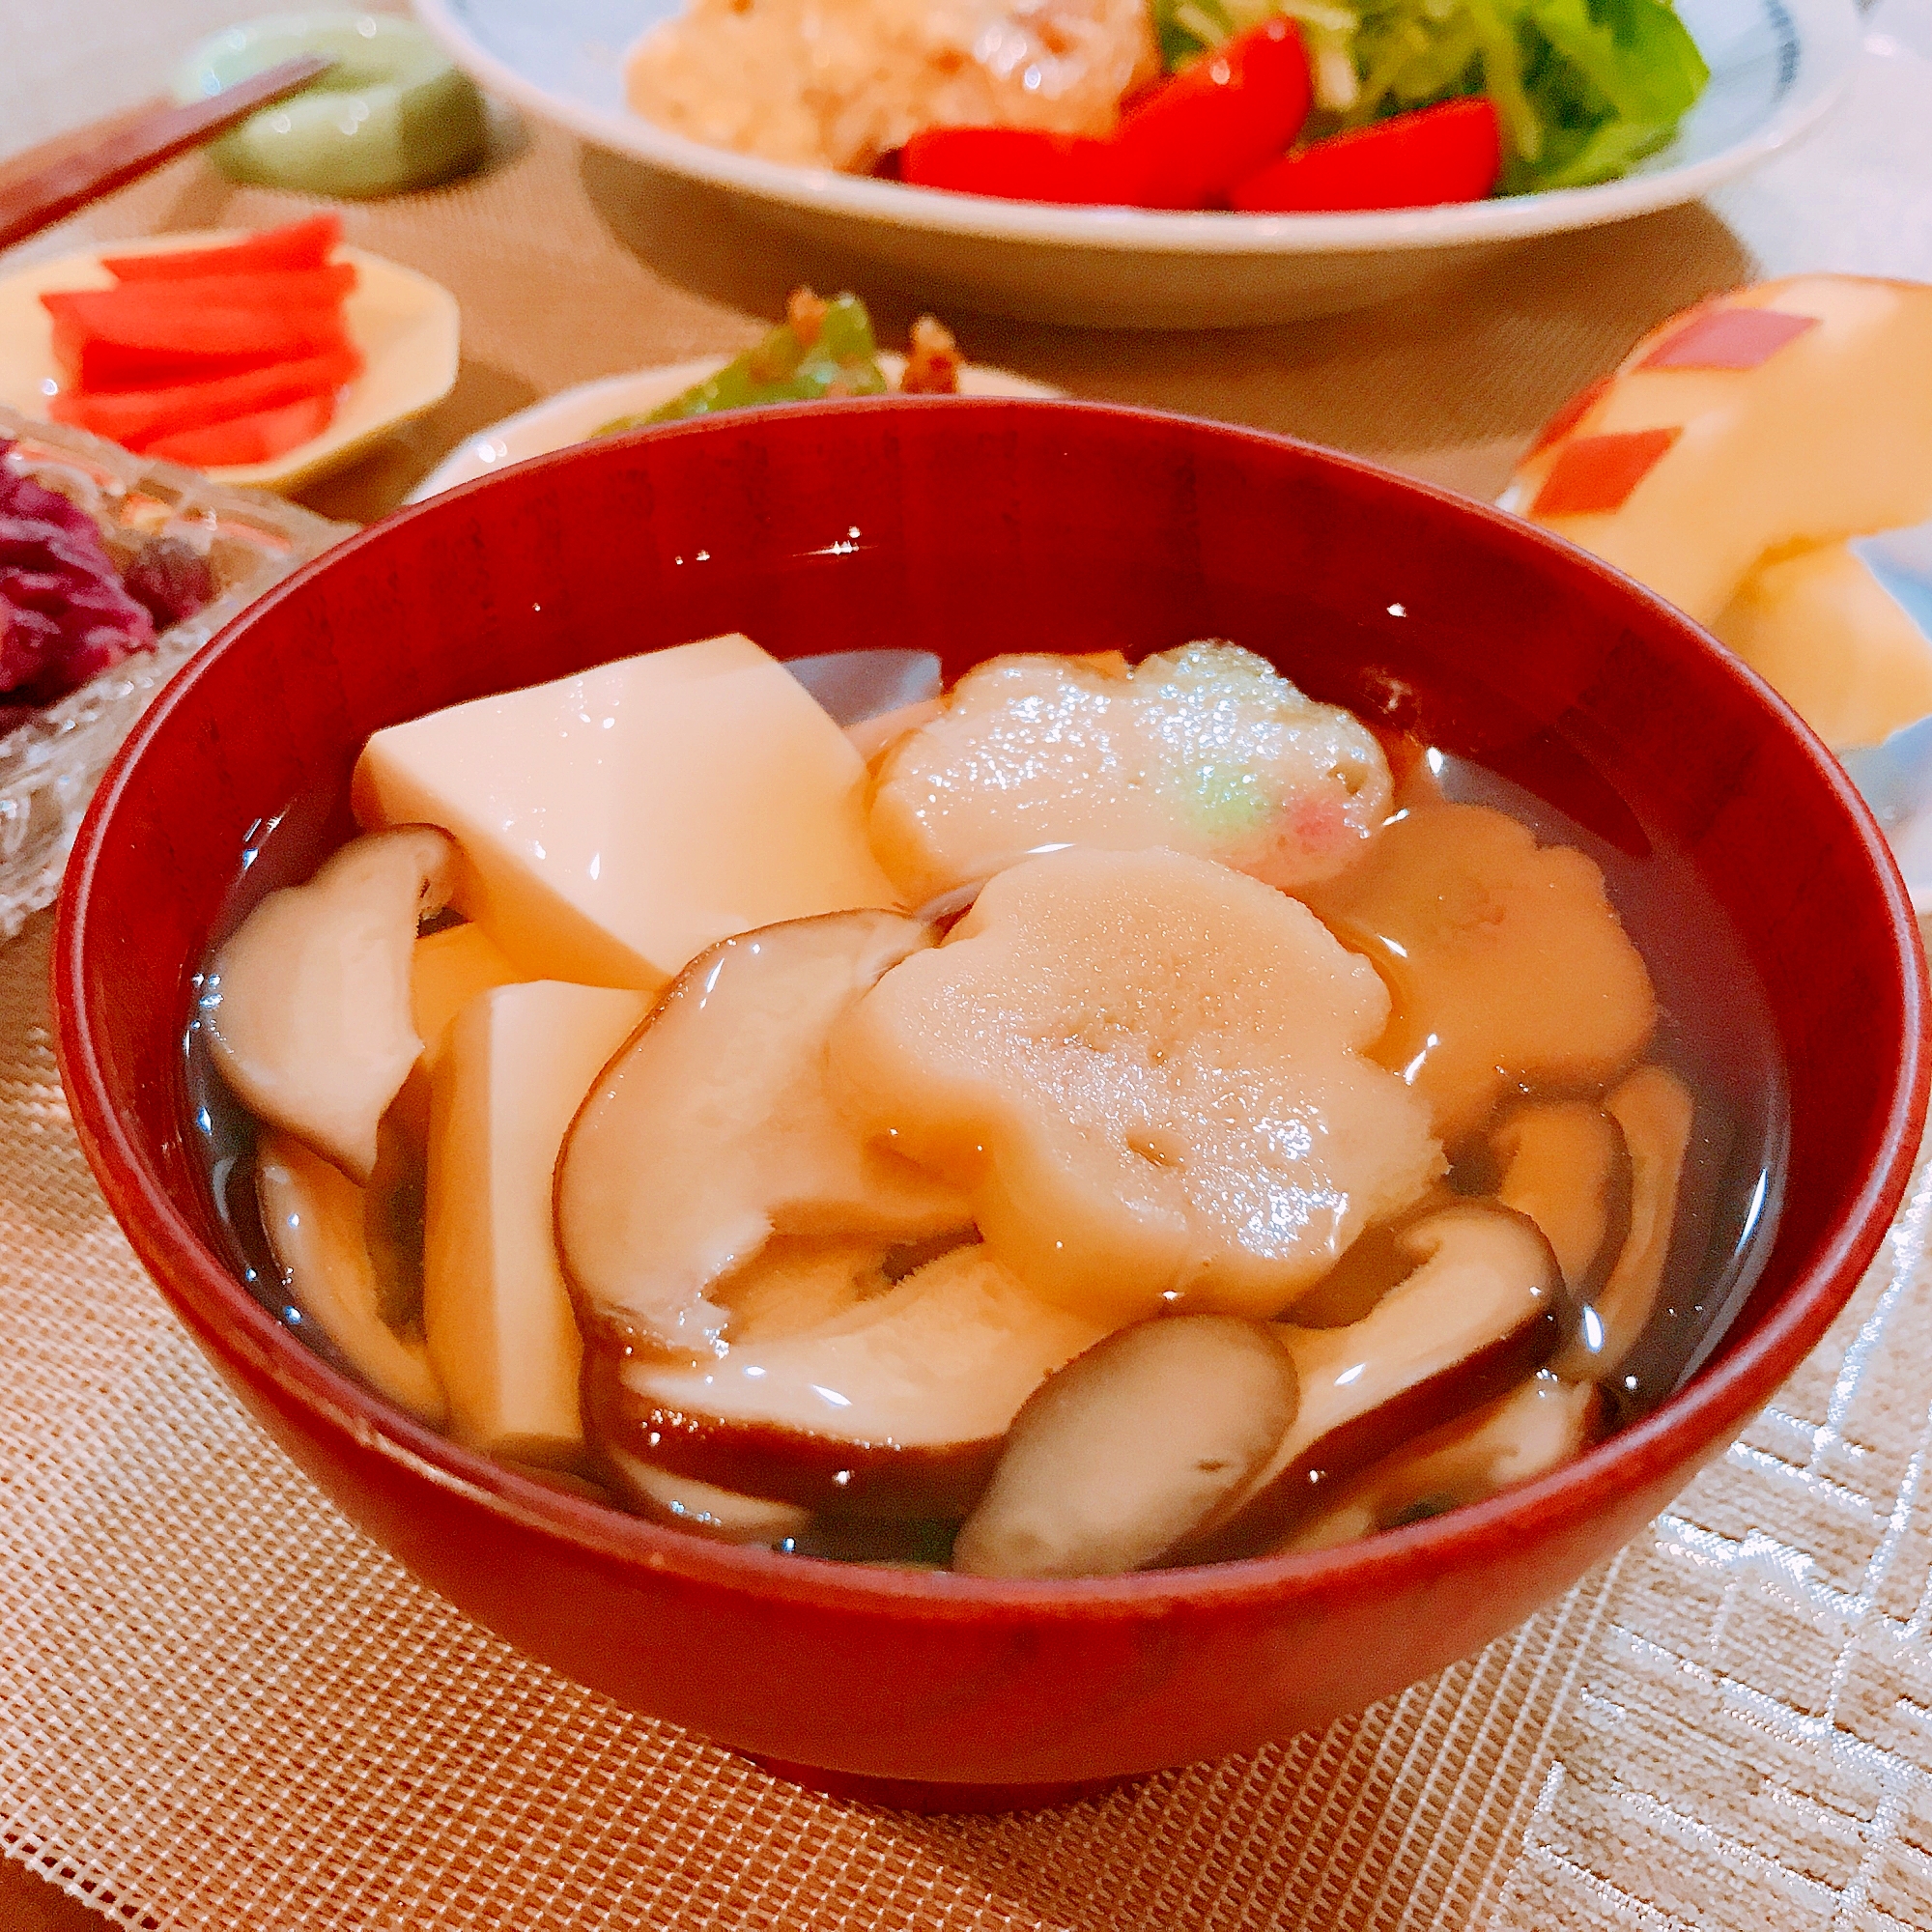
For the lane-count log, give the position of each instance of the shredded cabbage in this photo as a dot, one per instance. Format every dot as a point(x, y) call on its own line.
point(1584, 89)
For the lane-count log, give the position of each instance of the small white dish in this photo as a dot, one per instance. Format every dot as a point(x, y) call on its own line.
point(1776, 66)
point(405, 326)
point(573, 415)
point(52, 759)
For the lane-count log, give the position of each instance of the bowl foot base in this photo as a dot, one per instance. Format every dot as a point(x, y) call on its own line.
point(909, 1794)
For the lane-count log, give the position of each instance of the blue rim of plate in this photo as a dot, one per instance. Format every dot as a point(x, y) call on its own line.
point(1895, 775)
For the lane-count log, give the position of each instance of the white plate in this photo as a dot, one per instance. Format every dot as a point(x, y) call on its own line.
point(1775, 67)
point(405, 324)
point(573, 414)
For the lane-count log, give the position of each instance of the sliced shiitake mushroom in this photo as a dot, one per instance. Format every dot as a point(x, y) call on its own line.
point(307, 1009)
point(712, 1131)
point(799, 1283)
point(395, 1201)
point(1655, 1112)
point(1481, 1311)
point(1131, 1447)
point(873, 737)
point(897, 1407)
point(1534, 1428)
point(1375, 1263)
point(1505, 959)
point(1563, 1164)
point(724, 1514)
point(794, 1284)
point(313, 1216)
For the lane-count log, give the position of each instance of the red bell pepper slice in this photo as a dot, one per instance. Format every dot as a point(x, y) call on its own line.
point(259, 438)
point(301, 245)
point(135, 418)
point(148, 311)
point(140, 336)
point(1183, 146)
point(99, 365)
point(1216, 122)
point(1452, 151)
point(1014, 164)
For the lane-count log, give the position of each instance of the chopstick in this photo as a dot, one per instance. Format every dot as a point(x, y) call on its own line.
point(46, 183)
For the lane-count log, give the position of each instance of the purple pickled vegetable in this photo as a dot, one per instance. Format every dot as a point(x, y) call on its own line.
point(64, 614)
point(171, 579)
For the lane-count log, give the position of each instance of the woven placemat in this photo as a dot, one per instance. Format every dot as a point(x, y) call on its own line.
point(220, 1707)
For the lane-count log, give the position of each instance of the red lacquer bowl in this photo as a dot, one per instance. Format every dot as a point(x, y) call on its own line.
point(972, 528)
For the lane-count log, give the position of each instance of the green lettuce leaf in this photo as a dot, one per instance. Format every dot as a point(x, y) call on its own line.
point(1584, 89)
point(1637, 53)
point(1578, 157)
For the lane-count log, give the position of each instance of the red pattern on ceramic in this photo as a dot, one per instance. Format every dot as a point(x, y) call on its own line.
point(1568, 416)
point(982, 527)
point(1596, 473)
point(1728, 338)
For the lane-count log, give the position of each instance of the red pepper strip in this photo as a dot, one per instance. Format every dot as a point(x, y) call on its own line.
point(1184, 146)
point(136, 418)
point(281, 288)
point(1219, 120)
point(1015, 164)
point(259, 438)
point(1448, 153)
point(252, 317)
point(301, 245)
point(252, 337)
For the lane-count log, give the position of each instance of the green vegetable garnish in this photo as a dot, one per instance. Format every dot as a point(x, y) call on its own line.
point(1584, 89)
point(1186, 28)
point(821, 349)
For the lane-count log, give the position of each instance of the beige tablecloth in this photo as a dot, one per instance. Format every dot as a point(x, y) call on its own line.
point(220, 1707)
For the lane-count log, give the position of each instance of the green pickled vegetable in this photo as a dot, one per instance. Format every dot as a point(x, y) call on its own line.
point(1584, 89)
point(820, 350)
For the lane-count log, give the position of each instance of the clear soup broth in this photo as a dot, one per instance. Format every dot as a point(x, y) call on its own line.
point(1713, 1033)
